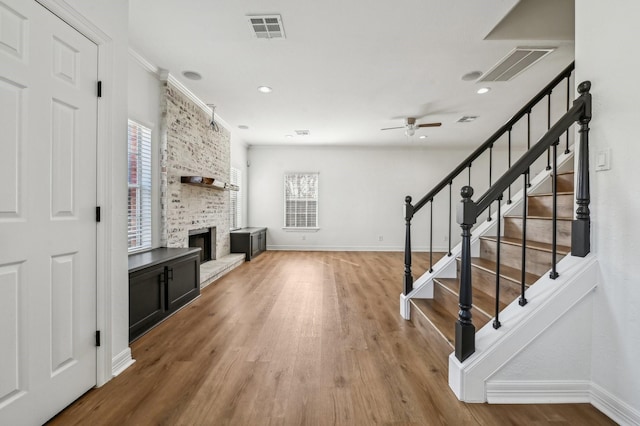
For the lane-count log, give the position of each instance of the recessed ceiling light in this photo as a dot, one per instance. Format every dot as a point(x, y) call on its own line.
point(473, 75)
point(483, 90)
point(192, 75)
point(265, 89)
point(288, 136)
point(423, 137)
point(243, 127)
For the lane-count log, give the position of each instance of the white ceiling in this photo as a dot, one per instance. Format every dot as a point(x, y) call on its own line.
point(349, 68)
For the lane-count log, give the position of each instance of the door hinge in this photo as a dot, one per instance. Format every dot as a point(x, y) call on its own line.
point(97, 337)
point(99, 89)
point(97, 213)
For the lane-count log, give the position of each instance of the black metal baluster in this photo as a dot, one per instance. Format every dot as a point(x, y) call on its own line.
point(554, 219)
point(431, 237)
point(509, 198)
point(528, 182)
point(408, 214)
point(548, 127)
point(450, 199)
point(523, 300)
point(465, 330)
point(566, 151)
point(580, 228)
point(490, 173)
point(470, 174)
point(496, 321)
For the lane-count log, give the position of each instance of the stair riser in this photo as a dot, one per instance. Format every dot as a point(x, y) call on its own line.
point(542, 205)
point(565, 182)
point(450, 301)
point(538, 230)
point(538, 262)
point(486, 282)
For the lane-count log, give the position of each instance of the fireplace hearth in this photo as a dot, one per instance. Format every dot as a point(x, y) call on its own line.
point(205, 238)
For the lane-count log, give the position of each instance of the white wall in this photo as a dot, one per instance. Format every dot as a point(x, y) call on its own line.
point(144, 94)
point(605, 34)
point(362, 193)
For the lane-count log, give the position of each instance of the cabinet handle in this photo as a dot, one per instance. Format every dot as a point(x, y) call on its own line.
point(170, 270)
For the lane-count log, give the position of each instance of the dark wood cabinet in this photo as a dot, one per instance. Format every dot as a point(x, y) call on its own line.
point(250, 241)
point(161, 281)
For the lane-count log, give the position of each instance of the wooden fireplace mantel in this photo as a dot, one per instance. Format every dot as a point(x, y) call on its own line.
point(208, 182)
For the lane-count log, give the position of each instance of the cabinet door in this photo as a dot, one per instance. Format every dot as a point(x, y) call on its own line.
point(263, 241)
point(146, 300)
point(184, 282)
point(255, 244)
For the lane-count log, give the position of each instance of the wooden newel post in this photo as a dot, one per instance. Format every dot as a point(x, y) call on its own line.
point(408, 215)
point(465, 330)
point(580, 228)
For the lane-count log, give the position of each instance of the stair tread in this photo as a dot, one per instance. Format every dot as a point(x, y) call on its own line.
point(531, 244)
point(565, 173)
point(519, 216)
point(441, 319)
point(506, 272)
point(482, 302)
point(546, 194)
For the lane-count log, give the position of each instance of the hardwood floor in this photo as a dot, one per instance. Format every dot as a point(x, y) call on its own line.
point(298, 338)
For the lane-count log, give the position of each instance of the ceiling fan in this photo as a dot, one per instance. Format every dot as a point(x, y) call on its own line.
point(411, 126)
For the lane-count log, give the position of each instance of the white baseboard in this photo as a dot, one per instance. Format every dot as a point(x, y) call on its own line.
point(122, 361)
point(539, 392)
point(616, 409)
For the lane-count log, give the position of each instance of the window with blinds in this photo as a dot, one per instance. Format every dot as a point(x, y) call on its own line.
point(139, 206)
point(236, 200)
point(301, 200)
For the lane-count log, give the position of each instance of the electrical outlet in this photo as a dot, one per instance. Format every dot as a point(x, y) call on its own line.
point(304, 237)
point(445, 238)
point(380, 238)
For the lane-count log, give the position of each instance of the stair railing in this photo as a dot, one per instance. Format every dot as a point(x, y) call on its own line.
point(469, 210)
point(506, 129)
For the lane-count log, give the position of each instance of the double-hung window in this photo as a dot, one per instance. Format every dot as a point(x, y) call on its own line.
point(235, 198)
point(139, 205)
point(301, 200)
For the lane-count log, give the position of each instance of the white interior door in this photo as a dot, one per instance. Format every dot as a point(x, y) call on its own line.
point(48, 121)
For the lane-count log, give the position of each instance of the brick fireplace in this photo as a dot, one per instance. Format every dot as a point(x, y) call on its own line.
point(192, 147)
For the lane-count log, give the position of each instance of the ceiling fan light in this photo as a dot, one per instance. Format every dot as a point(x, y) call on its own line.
point(410, 131)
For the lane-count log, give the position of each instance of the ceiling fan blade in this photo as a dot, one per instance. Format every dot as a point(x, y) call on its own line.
point(430, 125)
point(391, 128)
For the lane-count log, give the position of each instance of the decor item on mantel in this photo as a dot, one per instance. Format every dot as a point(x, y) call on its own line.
point(208, 182)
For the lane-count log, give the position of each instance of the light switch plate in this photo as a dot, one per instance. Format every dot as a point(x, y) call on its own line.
point(603, 159)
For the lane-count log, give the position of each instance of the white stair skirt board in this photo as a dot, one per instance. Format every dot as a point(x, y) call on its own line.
point(551, 304)
point(122, 361)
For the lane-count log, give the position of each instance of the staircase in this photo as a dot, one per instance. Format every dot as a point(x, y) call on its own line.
point(441, 311)
point(509, 278)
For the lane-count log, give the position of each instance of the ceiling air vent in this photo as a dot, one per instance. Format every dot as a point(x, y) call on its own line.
point(266, 26)
point(515, 62)
point(302, 132)
point(467, 118)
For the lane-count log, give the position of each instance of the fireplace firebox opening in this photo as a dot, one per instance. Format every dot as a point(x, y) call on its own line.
point(205, 238)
